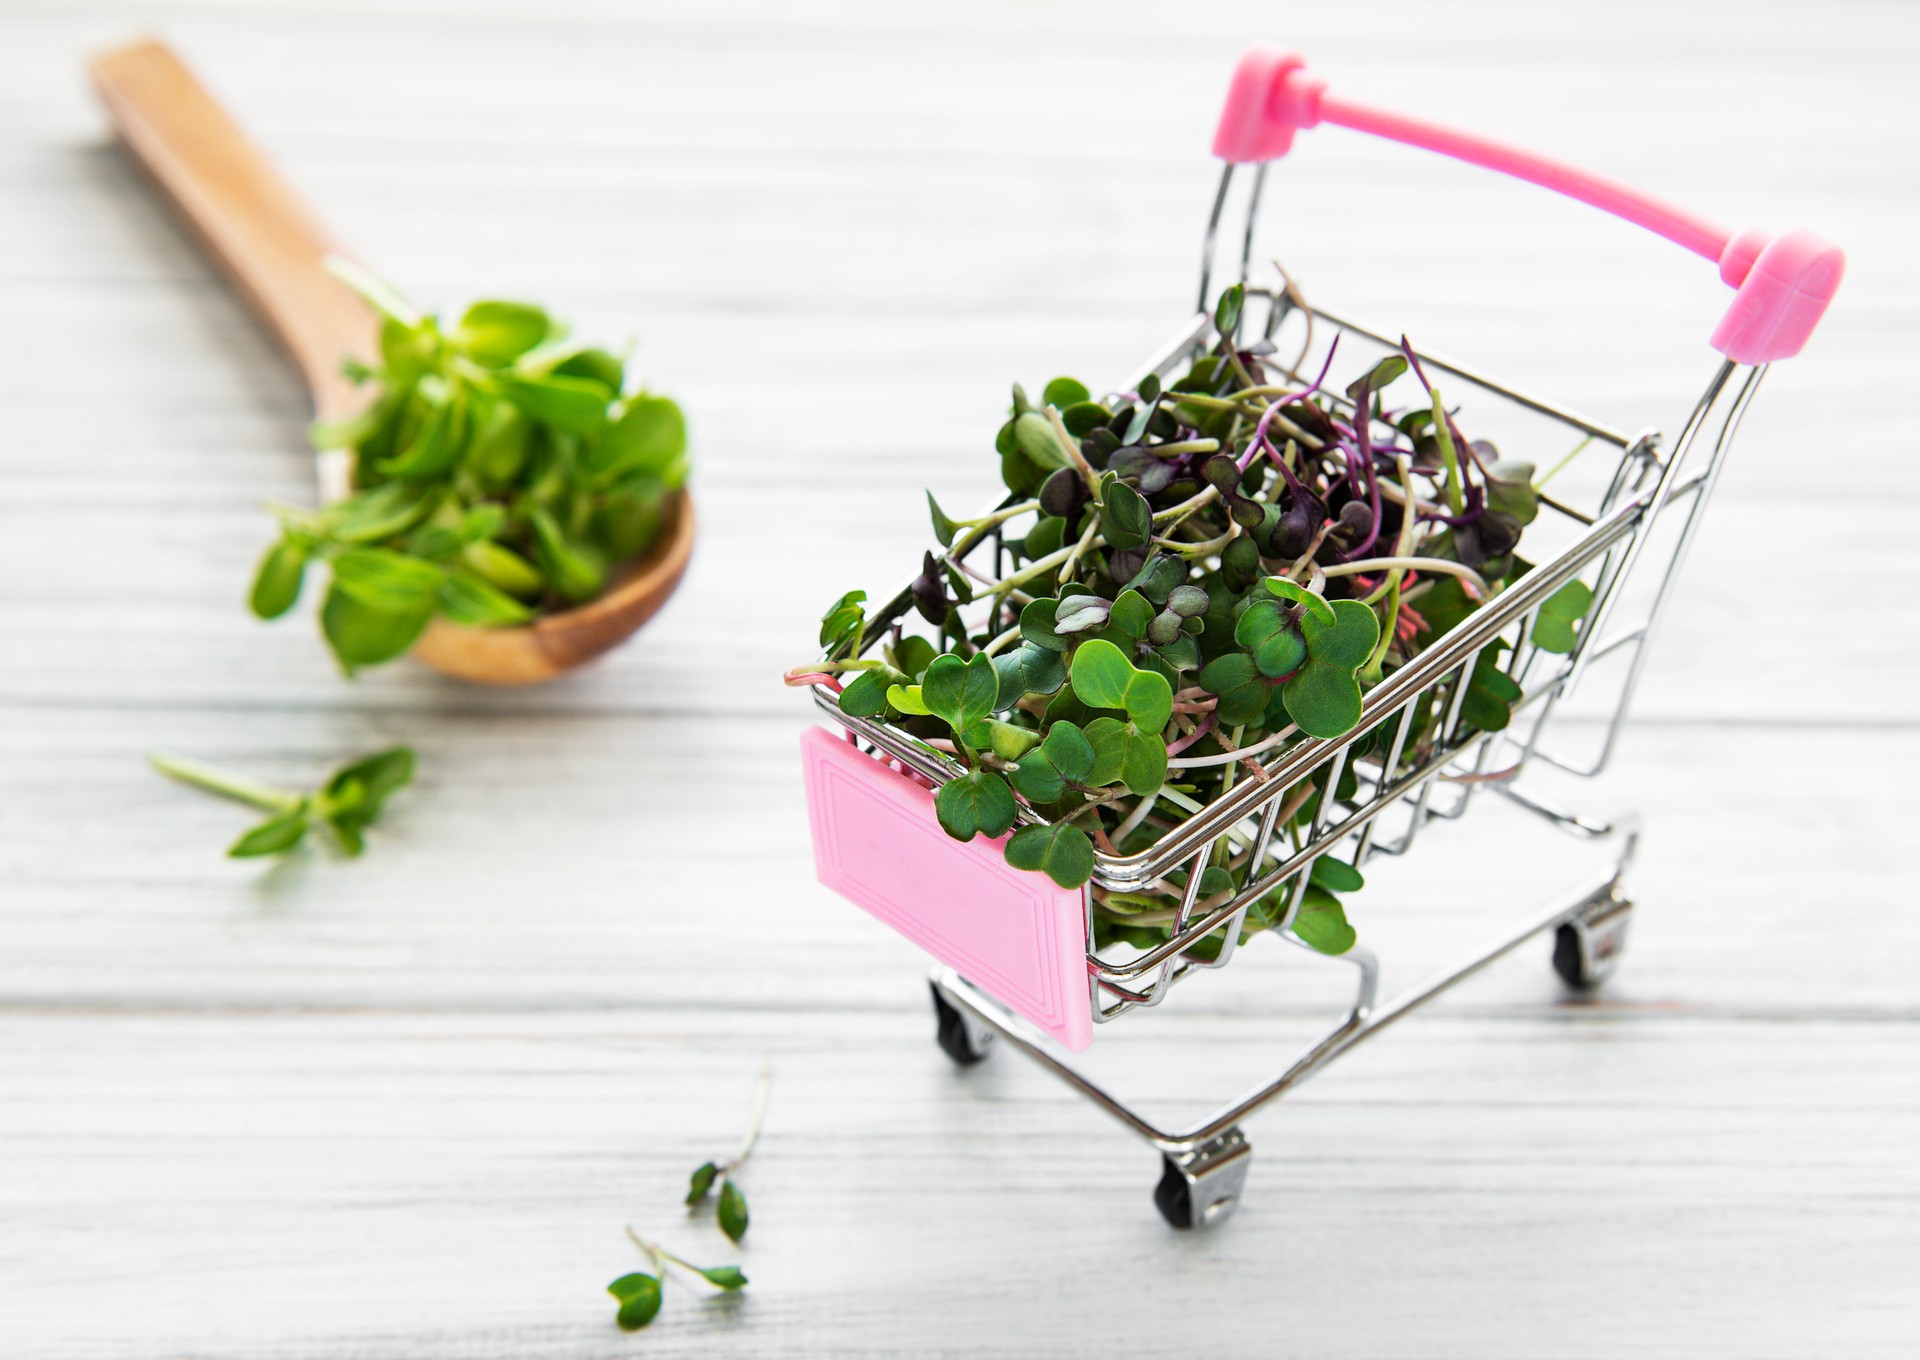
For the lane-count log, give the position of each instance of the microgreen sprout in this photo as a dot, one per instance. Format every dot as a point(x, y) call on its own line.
point(345, 805)
point(1192, 575)
point(502, 471)
point(638, 1293)
point(730, 1208)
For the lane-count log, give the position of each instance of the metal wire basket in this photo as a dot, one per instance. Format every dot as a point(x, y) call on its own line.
point(1019, 960)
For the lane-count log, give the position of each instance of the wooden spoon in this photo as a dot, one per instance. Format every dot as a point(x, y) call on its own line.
point(274, 251)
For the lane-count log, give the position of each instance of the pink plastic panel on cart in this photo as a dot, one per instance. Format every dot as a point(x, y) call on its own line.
point(1015, 934)
point(1782, 284)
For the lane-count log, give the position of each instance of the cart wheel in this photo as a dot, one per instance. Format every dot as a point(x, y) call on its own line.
point(1586, 951)
point(957, 1039)
point(1201, 1188)
point(1567, 961)
point(1173, 1197)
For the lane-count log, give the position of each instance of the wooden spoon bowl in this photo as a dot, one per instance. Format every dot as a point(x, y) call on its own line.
point(273, 249)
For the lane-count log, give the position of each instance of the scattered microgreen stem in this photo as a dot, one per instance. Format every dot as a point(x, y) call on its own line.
point(345, 805)
point(1193, 597)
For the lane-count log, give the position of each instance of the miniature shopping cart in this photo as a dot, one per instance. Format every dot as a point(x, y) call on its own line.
point(1017, 954)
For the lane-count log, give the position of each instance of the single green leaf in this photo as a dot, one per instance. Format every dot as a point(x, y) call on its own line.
point(913, 654)
point(1553, 626)
point(1491, 694)
point(725, 1277)
point(1061, 851)
point(1241, 688)
point(649, 439)
point(943, 527)
point(844, 620)
point(906, 699)
point(469, 599)
point(1082, 418)
point(376, 777)
point(1289, 589)
point(732, 1212)
point(1275, 644)
point(1323, 696)
point(576, 572)
point(1336, 875)
point(388, 581)
point(570, 405)
point(503, 568)
point(276, 585)
point(1131, 615)
point(1108, 738)
point(639, 1296)
point(366, 635)
point(961, 693)
point(1068, 751)
point(1037, 624)
point(1064, 392)
point(1226, 313)
point(1035, 780)
point(1027, 670)
point(701, 1182)
point(1100, 674)
point(278, 833)
point(497, 333)
point(1038, 444)
point(979, 801)
point(866, 695)
point(1322, 922)
point(1149, 700)
point(382, 513)
point(1144, 768)
point(1081, 613)
point(436, 447)
point(1125, 517)
point(501, 444)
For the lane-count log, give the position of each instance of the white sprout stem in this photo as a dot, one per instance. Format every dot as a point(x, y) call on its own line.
point(760, 1094)
point(1233, 757)
point(1073, 554)
point(1134, 818)
point(1460, 569)
point(993, 647)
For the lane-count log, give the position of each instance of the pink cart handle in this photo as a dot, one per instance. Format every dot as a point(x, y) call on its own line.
point(1782, 283)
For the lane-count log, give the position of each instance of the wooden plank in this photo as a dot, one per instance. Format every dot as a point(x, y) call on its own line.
point(394, 1186)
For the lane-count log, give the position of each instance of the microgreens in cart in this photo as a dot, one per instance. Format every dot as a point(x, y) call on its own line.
point(502, 472)
point(1194, 577)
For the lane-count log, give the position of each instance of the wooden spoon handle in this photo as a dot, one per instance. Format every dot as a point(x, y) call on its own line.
point(254, 225)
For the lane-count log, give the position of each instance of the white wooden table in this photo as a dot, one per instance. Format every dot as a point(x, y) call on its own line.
point(401, 1107)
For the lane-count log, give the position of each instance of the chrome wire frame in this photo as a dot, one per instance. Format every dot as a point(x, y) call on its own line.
point(1435, 781)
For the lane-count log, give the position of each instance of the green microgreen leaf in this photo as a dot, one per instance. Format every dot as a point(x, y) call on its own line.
point(276, 585)
point(1068, 751)
point(1322, 922)
point(701, 1182)
point(274, 836)
point(1064, 392)
point(1275, 644)
point(639, 1298)
point(1061, 851)
point(961, 693)
point(977, 802)
point(1125, 517)
point(1288, 589)
point(1323, 696)
point(1553, 626)
point(732, 1213)
point(844, 620)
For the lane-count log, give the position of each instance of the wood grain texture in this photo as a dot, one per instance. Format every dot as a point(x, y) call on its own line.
point(401, 1107)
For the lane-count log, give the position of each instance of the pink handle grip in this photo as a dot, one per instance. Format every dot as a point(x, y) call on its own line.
point(1783, 283)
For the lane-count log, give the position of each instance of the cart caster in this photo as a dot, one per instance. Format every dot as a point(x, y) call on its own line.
point(1200, 1188)
point(1587, 949)
point(961, 1037)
